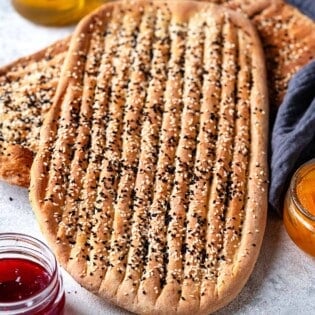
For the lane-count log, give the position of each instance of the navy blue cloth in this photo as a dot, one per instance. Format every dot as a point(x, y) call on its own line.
point(306, 6)
point(293, 133)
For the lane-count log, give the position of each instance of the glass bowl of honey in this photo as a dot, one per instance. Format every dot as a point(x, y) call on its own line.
point(299, 208)
point(55, 12)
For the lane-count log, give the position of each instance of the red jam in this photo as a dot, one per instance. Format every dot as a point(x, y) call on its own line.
point(30, 280)
point(21, 279)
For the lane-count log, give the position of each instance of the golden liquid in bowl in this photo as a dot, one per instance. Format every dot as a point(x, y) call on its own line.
point(55, 12)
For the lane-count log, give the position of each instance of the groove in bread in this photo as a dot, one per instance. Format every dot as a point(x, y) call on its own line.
point(170, 106)
point(125, 205)
point(143, 192)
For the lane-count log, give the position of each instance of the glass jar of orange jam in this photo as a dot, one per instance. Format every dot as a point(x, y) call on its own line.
point(299, 208)
point(55, 12)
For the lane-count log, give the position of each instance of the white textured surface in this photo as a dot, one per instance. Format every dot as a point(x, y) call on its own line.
point(283, 281)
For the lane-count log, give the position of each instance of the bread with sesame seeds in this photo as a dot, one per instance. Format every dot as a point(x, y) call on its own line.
point(288, 39)
point(27, 88)
point(150, 179)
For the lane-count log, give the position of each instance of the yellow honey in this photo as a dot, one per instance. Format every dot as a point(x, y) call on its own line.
point(55, 12)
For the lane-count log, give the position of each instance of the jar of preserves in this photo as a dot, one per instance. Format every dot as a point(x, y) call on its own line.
point(299, 208)
point(30, 279)
point(55, 12)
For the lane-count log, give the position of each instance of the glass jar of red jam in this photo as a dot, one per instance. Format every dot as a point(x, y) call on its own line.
point(30, 279)
point(299, 208)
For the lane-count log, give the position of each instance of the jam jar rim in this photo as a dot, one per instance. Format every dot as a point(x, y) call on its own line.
point(293, 192)
point(54, 275)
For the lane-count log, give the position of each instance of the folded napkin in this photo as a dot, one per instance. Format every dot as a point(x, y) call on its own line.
point(293, 133)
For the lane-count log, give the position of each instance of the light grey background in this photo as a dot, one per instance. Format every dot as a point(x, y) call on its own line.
point(283, 281)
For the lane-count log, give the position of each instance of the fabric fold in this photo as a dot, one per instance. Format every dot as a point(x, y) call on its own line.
point(293, 134)
point(305, 6)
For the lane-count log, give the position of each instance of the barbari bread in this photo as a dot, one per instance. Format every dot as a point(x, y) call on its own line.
point(288, 39)
point(150, 179)
point(27, 88)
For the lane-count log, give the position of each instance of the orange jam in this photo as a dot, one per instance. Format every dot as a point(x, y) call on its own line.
point(299, 208)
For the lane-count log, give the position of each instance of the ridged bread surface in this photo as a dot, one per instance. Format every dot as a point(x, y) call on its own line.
point(27, 89)
point(150, 178)
point(288, 39)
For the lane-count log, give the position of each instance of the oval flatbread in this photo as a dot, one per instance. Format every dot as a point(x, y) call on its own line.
point(150, 178)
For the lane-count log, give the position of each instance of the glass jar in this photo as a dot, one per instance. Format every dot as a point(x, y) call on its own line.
point(299, 208)
point(55, 12)
point(30, 279)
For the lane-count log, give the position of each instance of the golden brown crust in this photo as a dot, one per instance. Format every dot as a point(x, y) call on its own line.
point(15, 164)
point(288, 39)
point(46, 53)
point(159, 119)
point(249, 7)
point(27, 86)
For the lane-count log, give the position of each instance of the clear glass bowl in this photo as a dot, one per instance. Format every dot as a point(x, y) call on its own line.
point(50, 299)
point(55, 12)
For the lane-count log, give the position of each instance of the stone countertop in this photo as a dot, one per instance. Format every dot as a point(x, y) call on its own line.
point(283, 281)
